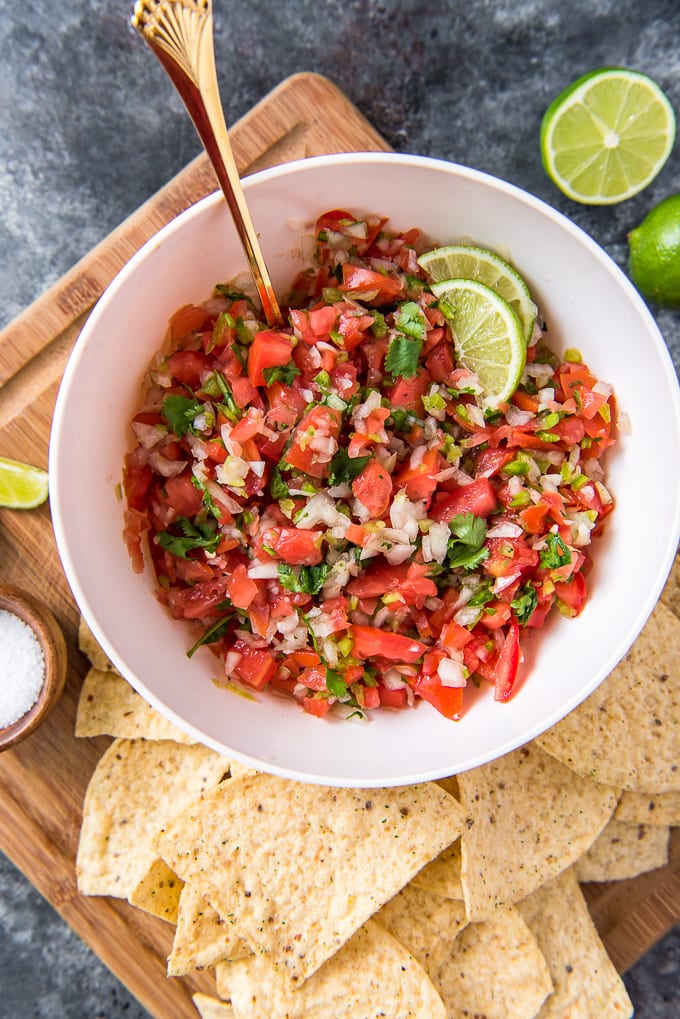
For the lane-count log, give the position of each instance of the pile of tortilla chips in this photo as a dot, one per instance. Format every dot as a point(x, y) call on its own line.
point(446, 899)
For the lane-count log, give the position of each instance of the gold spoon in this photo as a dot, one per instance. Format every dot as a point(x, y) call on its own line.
point(180, 34)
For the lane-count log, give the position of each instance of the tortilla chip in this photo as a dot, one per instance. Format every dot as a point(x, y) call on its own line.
point(301, 867)
point(136, 788)
point(670, 595)
point(87, 643)
point(442, 876)
point(624, 850)
point(370, 977)
point(532, 817)
point(212, 1008)
point(108, 706)
point(495, 969)
point(158, 892)
point(627, 733)
point(424, 923)
point(647, 808)
point(585, 980)
point(202, 938)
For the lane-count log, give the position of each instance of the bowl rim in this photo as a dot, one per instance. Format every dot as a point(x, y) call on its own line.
point(278, 173)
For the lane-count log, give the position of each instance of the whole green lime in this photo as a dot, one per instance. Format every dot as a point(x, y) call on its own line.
point(654, 254)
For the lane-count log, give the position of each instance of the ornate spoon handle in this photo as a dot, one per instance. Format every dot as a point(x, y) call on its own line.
point(180, 34)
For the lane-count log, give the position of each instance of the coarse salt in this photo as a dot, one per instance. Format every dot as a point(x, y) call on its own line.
point(22, 668)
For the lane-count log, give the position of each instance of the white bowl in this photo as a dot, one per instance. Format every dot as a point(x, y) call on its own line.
point(588, 303)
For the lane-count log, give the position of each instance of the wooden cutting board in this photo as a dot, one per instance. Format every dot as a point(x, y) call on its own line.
point(43, 780)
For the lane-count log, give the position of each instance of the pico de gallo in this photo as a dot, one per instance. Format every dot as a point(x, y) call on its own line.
point(333, 505)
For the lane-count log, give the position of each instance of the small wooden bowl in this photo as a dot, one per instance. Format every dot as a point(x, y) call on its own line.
point(48, 632)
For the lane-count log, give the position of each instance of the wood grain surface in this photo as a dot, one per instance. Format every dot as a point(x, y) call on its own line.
point(43, 780)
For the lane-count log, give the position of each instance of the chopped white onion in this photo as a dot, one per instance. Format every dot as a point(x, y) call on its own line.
point(505, 529)
point(263, 571)
point(148, 435)
point(451, 673)
point(231, 660)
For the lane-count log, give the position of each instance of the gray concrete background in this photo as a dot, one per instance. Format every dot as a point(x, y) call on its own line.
point(90, 128)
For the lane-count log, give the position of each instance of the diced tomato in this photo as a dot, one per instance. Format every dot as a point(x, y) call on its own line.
point(352, 327)
point(248, 427)
point(314, 325)
point(505, 667)
point(256, 665)
point(533, 517)
point(409, 580)
point(240, 588)
point(439, 362)
point(294, 546)
point(188, 366)
point(318, 706)
point(496, 614)
point(371, 697)
point(313, 677)
point(269, 349)
point(420, 482)
point(202, 599)
point(372, 287)
point(182, 495)
point(244, 391)
point(448, 700)
point(369, 641)
point(572, 594)
point(453, 636)
point(409, 393)
point(373, 487)
point(323, 423)
point(186, 320)
point(509, 555)
point(491, 461)
point(137, 481)
point(479, 497)
point(392, 698)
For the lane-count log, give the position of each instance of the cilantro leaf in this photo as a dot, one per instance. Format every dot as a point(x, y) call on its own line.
point(277, 486)
point(466, 546)
point(402, 419)
point(345, 468)
point(524, 604)
point(193, 536)
point(482, 595)
point(308, 579)
point(233, 295)
point(335, 684)
point(212, 634)
point(179, 413)
point(281, 373)
point(410, 320)
point(403, 355)
point(556, 554)
point(229, 405)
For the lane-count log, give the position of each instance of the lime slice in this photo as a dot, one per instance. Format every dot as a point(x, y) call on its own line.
point(21, 485)
point(607, 136)
point(487, 335)
point(468, 262)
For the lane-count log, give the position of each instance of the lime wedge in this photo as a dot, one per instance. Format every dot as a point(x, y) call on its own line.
point(487, 335)
point(468, 262)
point(607, 136)
point(21, 485)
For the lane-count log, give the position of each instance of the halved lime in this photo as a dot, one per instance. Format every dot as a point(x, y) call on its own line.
point(21, 485)
point(607, 136)
point(466, 261)
point(487, 335)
